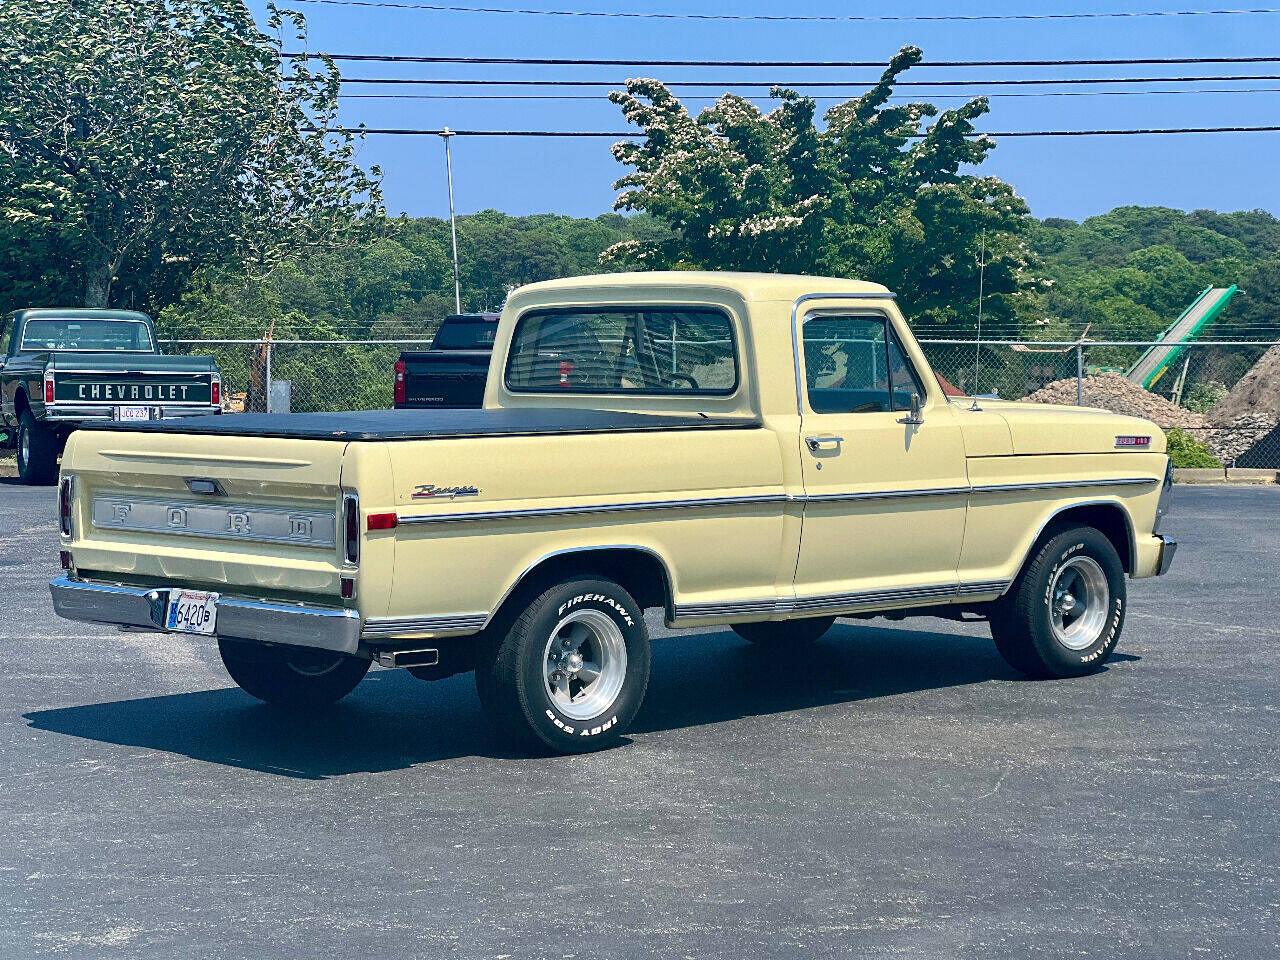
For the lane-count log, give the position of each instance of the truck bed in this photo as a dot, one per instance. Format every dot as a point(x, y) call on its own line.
point(428, 424)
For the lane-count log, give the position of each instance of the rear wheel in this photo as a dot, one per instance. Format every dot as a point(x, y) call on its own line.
point(784, 633)
point(286, 676)
point(37, 452)
point(571, 671)
point(1064, 614)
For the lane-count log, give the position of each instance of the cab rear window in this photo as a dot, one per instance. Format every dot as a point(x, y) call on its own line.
point(666, 351)
point(95, 335)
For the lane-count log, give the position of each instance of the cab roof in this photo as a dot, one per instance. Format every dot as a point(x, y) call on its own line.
point(749, 286)
point(77, 313)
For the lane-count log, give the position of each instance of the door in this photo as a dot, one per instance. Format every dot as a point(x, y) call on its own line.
point(885, 492)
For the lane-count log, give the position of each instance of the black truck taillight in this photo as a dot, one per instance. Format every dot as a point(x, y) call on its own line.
point(351, 528)
point(399, 382)
point(65, 490)
point(48, 387)
point(215, 391)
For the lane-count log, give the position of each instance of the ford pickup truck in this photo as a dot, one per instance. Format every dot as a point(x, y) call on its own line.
point(64, 367)
point(764, 452)
point(452, 372)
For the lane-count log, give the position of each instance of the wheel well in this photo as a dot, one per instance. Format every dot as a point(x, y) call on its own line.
point(641, 573)
point(1109, 519)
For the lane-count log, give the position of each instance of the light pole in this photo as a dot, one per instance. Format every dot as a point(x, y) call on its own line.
point(453, 223)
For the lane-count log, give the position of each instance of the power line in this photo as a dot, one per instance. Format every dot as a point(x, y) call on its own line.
point(416, 132)
point(569, 62)
point(630, 15)
point(946, 96)
point(819, 84)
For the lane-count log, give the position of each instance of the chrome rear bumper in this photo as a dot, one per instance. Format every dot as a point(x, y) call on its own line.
point(74, 412)
point(325, 628)
point(1168, 547)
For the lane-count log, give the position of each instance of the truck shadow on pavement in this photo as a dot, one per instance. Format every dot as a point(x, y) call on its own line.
point(393, 721)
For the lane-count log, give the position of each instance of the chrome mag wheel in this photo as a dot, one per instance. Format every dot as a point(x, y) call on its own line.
point(1079, 602)
point(584, 664)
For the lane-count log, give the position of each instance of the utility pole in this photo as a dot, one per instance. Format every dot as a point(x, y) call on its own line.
point(982, 270)
point(453, 223)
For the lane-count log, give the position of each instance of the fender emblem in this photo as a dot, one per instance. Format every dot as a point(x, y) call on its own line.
point(429, 491)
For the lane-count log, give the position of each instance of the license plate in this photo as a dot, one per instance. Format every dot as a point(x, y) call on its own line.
point(133, 413)
point(192, 611)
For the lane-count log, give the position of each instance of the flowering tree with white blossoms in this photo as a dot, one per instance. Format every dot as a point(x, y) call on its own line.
point(873, 194)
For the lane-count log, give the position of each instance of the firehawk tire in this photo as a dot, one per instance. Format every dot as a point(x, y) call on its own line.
point(296, 677)
point(37, 452)
point(570, 672)
point(784, 633)
point(1065, 612)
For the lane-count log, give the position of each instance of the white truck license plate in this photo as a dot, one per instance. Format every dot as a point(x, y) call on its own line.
point(133, 413)
point(192, 611)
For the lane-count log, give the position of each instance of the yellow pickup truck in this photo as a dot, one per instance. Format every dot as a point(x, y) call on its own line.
point(759, 451)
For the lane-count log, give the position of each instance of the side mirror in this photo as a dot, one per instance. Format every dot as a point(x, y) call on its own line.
point(914, 417)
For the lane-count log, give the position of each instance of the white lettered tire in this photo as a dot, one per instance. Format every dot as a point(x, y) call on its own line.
point(570, 672)
point(1064, 614)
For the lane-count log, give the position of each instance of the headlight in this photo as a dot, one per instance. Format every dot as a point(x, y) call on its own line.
point(1166, 496)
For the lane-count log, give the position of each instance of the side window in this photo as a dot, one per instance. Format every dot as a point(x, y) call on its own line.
point(855, 365)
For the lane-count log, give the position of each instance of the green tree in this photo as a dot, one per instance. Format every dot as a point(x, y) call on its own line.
point(141, 139)
point(872, 194)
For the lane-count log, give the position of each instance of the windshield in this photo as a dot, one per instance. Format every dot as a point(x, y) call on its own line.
point(86, 335)
point(465, 335)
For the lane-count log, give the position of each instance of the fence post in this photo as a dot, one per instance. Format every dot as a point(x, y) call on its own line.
point(268, 383)
point(1079, 375)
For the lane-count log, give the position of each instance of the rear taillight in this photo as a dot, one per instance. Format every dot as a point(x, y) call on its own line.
point(48, 388)
point(215, 392)
point(65, 490)
point(399, 381)
point(566, 371)
point(351, 528)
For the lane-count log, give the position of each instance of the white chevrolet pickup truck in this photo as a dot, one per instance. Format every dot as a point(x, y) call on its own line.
point(764, 452)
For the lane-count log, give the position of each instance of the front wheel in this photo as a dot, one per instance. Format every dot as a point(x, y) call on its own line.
point(571, 671)
point(37, 452)
point(285, 676)
point(1064, 614)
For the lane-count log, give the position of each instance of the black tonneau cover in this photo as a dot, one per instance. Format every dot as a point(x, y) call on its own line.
point(426, 424)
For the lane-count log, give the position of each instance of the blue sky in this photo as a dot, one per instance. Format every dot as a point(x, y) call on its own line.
point(1075, 177)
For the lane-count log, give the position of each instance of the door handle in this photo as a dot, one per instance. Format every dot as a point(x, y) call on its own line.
point(822, 443)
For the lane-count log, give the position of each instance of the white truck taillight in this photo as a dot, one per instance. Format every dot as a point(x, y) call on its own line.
point(66, 487)
point(351, 528)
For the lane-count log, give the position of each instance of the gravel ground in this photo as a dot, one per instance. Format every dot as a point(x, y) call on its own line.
point(895, 792)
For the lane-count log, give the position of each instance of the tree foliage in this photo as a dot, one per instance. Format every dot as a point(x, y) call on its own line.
point(142, 139)
point(872, 194)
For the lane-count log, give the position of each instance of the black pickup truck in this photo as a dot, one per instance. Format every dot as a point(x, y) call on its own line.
point(64, 367)
point(452, 371)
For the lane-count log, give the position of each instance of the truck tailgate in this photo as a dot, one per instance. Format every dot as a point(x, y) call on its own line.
point(218, 511)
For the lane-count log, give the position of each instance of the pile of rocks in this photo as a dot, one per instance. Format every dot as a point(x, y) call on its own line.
point(1111, 391)
point(1232, 440)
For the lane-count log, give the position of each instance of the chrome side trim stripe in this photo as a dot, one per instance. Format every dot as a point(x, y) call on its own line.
point(375, 627)
point(839, 601)
point(882, 495)
point(1064, 484)
point(707, 502)
point(595, 509)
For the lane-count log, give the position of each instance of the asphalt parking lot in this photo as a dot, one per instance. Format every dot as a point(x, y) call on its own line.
point(896, 792)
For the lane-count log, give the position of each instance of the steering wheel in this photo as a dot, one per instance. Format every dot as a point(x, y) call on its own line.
point(693, 384)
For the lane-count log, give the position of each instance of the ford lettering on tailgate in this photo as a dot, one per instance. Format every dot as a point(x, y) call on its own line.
point(227, 521)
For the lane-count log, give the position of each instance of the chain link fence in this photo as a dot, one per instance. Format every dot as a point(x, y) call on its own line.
point(1186, 396)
